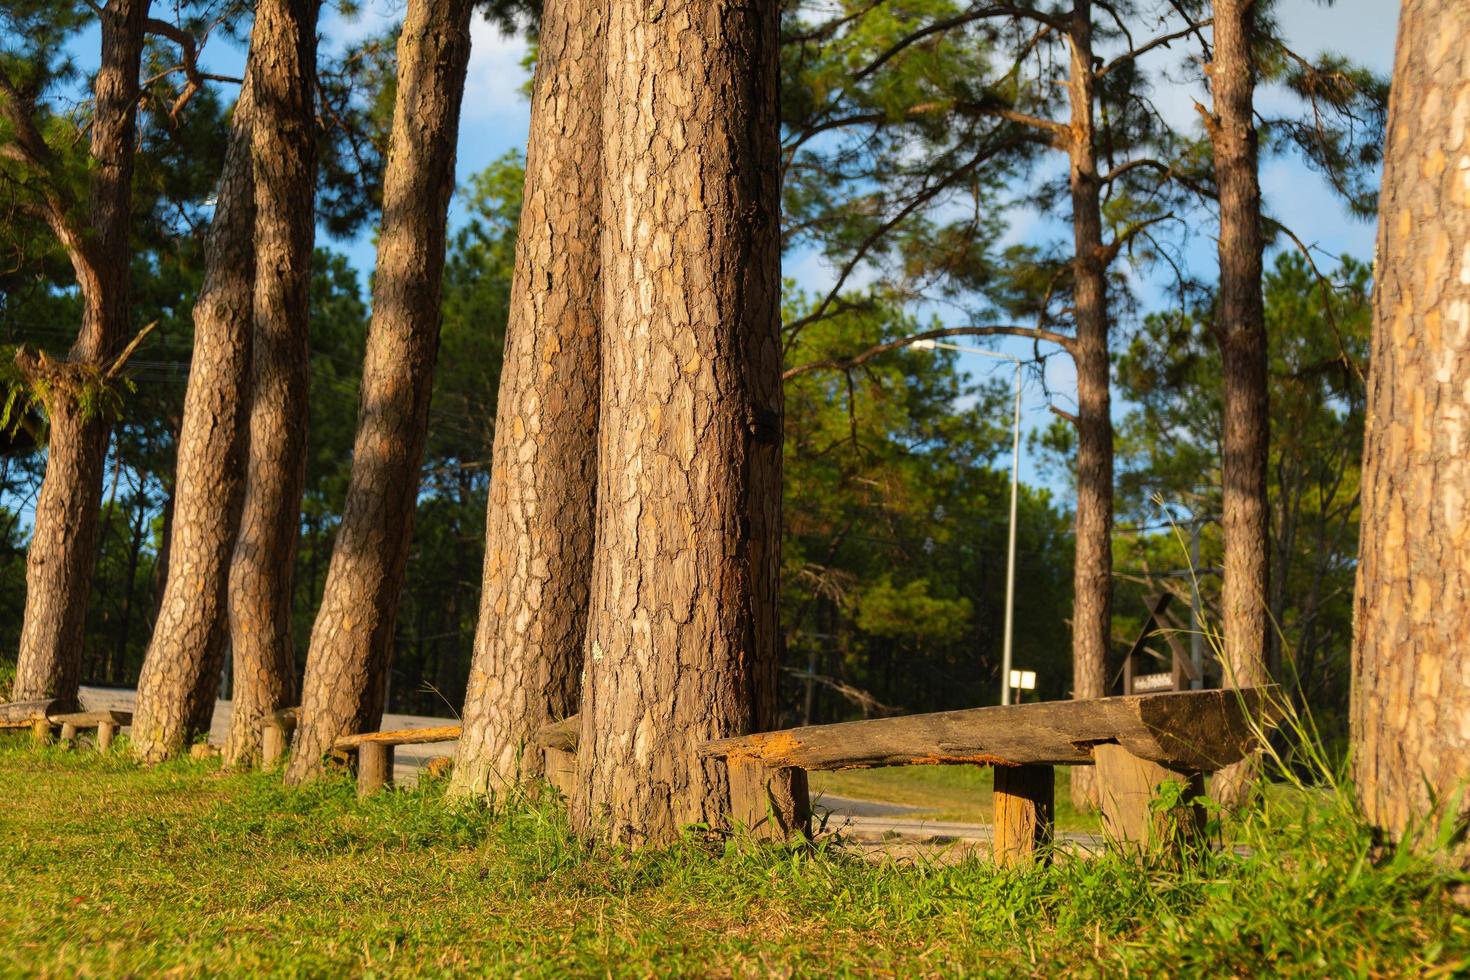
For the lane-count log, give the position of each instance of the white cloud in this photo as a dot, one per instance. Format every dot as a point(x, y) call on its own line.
point(493, 87)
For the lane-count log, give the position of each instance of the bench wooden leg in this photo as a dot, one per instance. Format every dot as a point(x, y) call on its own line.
point(105, 731)
point(772, 804)
point(561, 770)
point(374, 767)
point(41, 731)
point(1025, 806)
point(68, 735)
point(272, 745)
point(1126, 786)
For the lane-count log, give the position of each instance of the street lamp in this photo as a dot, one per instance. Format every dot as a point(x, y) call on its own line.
point(1005, 657)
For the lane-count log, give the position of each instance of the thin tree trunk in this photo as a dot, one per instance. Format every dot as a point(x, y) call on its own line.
point(180, 677)
point(165, 551)
point(527, 662)
point(135, 554)
point(283, 158)
point(1092, 612)
point(682, 634)
point(63, 548)
point(1411, 668)
point(1241, 329)
point(352, 641)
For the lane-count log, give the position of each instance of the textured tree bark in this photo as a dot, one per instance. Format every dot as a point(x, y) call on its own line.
point(1241, 329)
point(682, 632)
point(180, 676)
point(63, 548)
point(527, 664)
point(283, 156)
point(352, 641)
point(1092, 611)
point(1411, 669)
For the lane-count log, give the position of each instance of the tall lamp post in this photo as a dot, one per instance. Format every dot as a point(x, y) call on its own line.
point(1005, 657)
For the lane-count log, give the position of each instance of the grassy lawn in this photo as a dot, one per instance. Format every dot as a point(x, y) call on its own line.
point(106, 869)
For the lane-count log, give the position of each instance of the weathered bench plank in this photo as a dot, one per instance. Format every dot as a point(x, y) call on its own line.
point(24, 714)
point(1187, 730)
point(91, 719)
point(404, 736)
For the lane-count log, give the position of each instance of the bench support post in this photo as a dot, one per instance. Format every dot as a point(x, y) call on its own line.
point(770, 803)
point(1025, 806)
point(272, 744)
point(561, 770)
point(374, 767)
point(105, 731)
point(68, 734)
point(1126, 785)
point(41, 731)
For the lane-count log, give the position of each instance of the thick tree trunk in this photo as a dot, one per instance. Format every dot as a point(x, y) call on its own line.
point(1092, 610)
point(682, 632)
point(1241, 329)
point(527, 664)
point(1411, 667)
point(283, 156)
point(352, 641)
point(176, 689)
point(63, 549)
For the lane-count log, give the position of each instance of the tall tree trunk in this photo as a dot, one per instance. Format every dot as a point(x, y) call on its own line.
point(682, 632)
point(1241, 329)
point(63, 548)
point(352, 641)
point(527, 662)
point(180, 677)
point(1092, 611)
point(283, 158)
point(1411, 668)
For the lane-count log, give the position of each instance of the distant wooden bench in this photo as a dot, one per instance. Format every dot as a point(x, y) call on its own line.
point(107, 724)
point(375, 752)
point(275, 734)
point(558, 745)
point(1137, 742)
point(35, 715)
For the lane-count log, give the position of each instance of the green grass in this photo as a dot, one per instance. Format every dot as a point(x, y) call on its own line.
point(953, 793)
point(107, 869)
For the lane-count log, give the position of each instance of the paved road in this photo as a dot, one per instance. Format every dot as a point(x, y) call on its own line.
point(862, 820)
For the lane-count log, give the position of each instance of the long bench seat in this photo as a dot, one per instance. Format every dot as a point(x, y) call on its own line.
point(1136, 742)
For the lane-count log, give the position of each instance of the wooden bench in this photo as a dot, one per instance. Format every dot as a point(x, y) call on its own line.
point(558, 745)
point(107, 724)
point(375, 752)
point(1137, 742)
point(35, 715)
point(275, 735)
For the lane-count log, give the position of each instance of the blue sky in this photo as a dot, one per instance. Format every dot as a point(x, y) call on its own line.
point(496, 115)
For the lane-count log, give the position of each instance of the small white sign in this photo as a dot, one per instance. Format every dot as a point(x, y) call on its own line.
point(1144, 683)
point(1024, 680)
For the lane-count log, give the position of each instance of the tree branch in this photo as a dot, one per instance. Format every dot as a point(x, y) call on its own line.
point(30, 150)
point(1163, 40)
point(847, 364)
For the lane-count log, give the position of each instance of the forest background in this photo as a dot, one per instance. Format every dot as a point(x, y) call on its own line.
point(896, 472)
